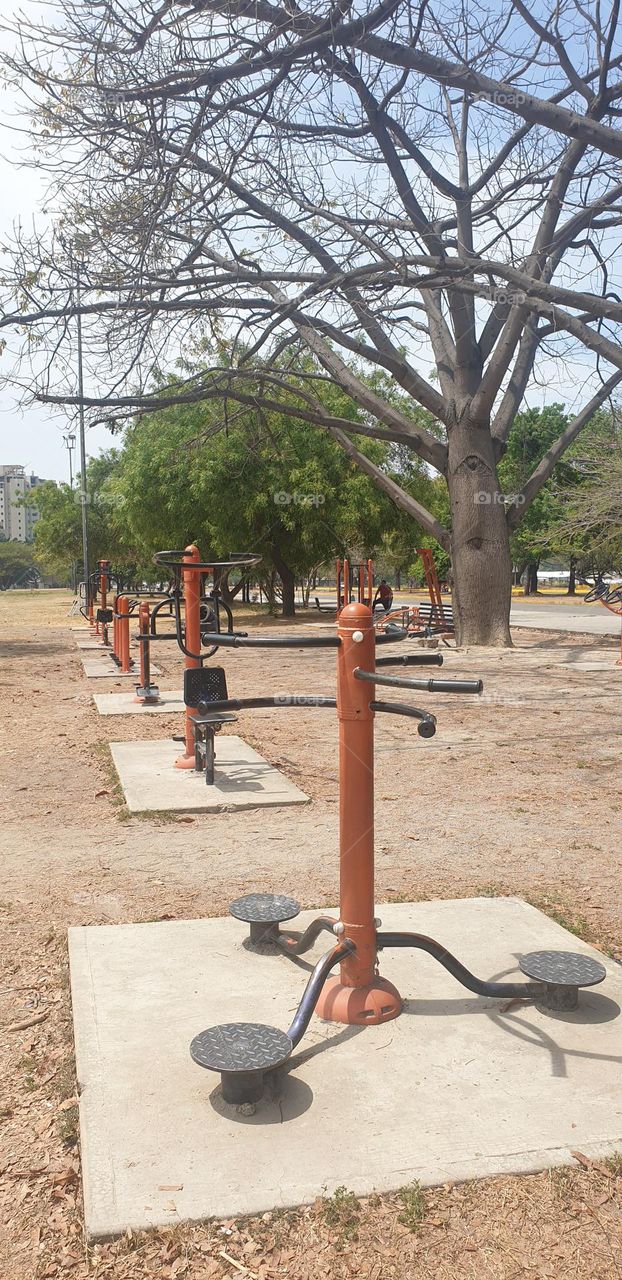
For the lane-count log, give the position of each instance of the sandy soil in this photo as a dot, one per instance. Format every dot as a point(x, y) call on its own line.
point(518, 792)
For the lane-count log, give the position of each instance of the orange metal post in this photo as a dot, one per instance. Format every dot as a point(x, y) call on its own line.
point(102, 566)
point(338, 577)
point(358, 995)
point(115, 627)
point(96, 602)
point(346, 582)
point(124, 634)
point(370, 583)
point(103, 592)
point(433, 584)
point(144, 622)
point(191, 578)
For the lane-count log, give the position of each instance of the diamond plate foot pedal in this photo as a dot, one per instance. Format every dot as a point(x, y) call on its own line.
point(264, 912)
point(148, 693)
point(563, 973)
point(242, 1052)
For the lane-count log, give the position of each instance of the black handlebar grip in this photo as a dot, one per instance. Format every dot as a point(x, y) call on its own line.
point(427, 727)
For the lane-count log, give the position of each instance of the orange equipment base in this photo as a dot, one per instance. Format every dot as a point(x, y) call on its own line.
point(359, 1006)
point(185, 762)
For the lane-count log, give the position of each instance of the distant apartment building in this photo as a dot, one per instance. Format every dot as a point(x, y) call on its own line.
point(17, 522)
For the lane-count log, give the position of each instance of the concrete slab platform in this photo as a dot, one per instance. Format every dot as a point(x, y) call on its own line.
point(124, 704)
point(242, 778)
point(91, 643)
point(103, 668)
point(457, 1087)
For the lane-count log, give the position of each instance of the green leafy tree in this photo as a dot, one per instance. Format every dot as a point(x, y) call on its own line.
point(265, 484)
point(533, 433)
point(58, 531)
point(588, 527)
point(17, 566)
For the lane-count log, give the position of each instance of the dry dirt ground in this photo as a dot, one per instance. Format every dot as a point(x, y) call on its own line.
point(518, 793)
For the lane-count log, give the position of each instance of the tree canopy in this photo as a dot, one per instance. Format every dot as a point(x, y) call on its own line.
point(265, 484)
point(17, 566)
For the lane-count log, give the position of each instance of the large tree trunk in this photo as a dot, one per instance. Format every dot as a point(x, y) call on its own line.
point(572, 578)
point(288, 583)
point(480, 542)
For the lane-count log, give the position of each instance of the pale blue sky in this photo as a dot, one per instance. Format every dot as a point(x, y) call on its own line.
point(33, 436)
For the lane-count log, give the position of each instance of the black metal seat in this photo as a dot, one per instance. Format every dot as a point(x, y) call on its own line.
point(203, 685)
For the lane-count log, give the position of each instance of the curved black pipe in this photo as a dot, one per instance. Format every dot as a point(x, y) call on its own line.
point(430, 686)
point(426, 729)
point(296, 946)
point(500, 990)
point(412, 660)
point(180, 560)
point(311, 993)
point(279, 700)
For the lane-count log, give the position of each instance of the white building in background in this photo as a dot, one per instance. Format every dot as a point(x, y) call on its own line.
point(17, 522)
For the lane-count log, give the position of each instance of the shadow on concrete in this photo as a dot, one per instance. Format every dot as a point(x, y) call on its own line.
point(285, 1095)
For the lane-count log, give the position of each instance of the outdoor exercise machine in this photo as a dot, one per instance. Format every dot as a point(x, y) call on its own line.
point(354, 582)
point(125, 605)
point(423, 620)
point(611, 598)
point(198, 621)
point(438, 614)
point(101, 583)
point(243, 1052)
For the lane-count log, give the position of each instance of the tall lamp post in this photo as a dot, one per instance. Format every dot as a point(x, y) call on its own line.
point(83, 490)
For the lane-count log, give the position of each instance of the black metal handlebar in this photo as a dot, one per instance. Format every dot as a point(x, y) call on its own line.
point(388, 636)
point(276, 642)
point(430, 686)
point(180, 560)
point(412, 660)
point(274, 700)
point(426, 729)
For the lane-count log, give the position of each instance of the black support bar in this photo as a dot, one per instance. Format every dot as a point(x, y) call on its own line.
point(311, 993)
point(500, 990)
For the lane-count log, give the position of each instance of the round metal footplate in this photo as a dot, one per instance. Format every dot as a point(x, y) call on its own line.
point(264, 908)
point(242, 1052)
point(562, 974)
point(563, 968)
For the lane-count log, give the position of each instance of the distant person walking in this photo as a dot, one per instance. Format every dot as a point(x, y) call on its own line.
point(383, 596)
